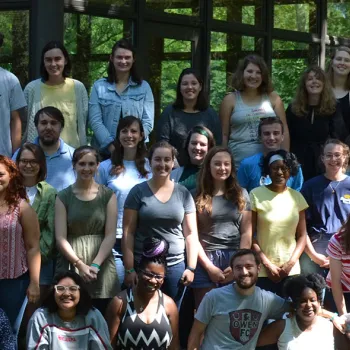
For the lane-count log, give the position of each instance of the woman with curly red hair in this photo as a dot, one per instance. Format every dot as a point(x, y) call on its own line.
point(19, 243)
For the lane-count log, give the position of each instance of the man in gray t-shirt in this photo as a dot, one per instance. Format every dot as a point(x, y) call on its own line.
point(11, 101)
point(231, 317)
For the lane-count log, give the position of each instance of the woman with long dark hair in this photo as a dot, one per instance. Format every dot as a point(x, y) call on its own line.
point(313, 117)
point(56, 89)
point(122, 93)
point(142, 317)
point(127, 167)
point(190, 108)
point(223, 220)
point(68, 319)
point(240, 112)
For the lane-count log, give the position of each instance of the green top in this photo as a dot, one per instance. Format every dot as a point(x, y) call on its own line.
point(86, 222)
point(44, 206)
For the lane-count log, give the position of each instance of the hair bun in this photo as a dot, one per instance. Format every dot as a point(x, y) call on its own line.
point(153, 246)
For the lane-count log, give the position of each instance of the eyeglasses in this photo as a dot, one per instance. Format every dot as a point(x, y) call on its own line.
point(283, 168)
point(31, 162)
point(62, 289)
point(150, 275)
point(330, 156)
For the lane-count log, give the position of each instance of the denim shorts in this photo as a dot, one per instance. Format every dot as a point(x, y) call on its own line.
point(221, 259)
point(47, 272)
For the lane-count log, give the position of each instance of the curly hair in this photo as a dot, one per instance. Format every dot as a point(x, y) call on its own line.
point(294, 287)
point(345, 235)
point(154, 251)
point(238, 76)
point(202, 102)
point(85, 302)
point(202, 130)
point(15, 190)
point(330, 70)
point(328, 102)
point(205, 184)
point(289, 159)
point(346, 150)
point(118, 153)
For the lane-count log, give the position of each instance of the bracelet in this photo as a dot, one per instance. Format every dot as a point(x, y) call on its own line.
point(333, 317)
point(130, 270)
point(190, 268)
point(96, 265)
point(75, 263)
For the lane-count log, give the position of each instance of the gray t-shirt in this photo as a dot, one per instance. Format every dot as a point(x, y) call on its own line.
point(11, 99)
point(234, 321)
point(221, 229)
point(160, 219)
point(46, 330)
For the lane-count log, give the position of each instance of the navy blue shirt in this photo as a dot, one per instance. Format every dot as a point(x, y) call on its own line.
point(327, 210)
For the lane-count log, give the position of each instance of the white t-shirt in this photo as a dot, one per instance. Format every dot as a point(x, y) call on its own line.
point(121, 184)
point(320, 337)
point(31, 193)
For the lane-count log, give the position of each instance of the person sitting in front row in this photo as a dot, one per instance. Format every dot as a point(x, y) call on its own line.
point(271, 134)
point(305, 326)
point(67, 319)
point(231, 317)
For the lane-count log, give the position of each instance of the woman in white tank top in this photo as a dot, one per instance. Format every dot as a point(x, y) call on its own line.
point(240, 112)
point(304, 329)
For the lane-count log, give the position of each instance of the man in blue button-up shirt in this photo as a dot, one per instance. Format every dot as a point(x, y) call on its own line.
point(49, 122)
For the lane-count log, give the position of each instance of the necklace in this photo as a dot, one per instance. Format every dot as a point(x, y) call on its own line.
point(334, 188)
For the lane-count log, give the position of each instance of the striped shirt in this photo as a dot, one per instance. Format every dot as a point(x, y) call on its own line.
point(336, 251)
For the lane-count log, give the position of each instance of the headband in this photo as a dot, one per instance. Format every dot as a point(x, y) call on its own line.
point(275, 157)
point(159, 250)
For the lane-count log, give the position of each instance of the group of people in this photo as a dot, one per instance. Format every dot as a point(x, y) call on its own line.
point(239, 210)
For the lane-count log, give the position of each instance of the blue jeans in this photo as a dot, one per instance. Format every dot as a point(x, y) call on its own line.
point(12, 294)
point(277, 288)
point(172, 285)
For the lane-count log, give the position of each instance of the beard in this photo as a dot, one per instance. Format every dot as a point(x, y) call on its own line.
point(48, 141)
point(247, 285)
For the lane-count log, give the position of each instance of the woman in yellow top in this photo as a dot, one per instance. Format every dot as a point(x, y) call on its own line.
point(54, 88)
point(278, 218)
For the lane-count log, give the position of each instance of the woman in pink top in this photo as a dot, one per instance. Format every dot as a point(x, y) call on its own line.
point(19, 243)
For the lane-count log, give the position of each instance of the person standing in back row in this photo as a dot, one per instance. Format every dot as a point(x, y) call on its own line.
point(241, 110)
point(11, 101)
point(121, 94)
point(55, 89)
point(190, 109)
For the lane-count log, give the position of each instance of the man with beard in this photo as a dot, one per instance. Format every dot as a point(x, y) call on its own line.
point(49, 122)
point(231, 317)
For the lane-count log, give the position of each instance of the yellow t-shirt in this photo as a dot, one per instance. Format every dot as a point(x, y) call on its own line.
point(63, 97)
point(277, 220)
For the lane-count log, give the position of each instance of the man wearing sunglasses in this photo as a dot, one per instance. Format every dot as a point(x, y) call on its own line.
point(271, 134)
